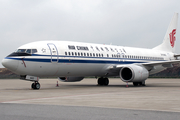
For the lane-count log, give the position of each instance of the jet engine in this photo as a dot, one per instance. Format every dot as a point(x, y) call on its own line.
point(133, 73)
point(70, 79)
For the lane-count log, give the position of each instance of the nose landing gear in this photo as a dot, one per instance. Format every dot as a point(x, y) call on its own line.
point(35, 85)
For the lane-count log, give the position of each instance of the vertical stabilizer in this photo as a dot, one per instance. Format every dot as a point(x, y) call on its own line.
point(170, 37)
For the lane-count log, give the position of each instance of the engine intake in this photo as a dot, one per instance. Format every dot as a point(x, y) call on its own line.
point(133, 73)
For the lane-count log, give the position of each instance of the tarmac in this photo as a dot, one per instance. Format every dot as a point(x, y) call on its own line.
point(160, 97)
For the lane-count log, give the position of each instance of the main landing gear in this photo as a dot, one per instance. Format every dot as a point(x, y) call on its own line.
point(139, 83)
point(35, 85)
point(103, 81)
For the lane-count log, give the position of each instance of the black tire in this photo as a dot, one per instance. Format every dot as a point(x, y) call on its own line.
point(140, 83)
point(37, 86)
point(100, 81)
point(106, 81)
point(33, 86)
point(135, 83)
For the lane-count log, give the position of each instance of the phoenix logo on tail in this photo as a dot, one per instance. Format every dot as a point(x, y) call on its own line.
point(172, 37)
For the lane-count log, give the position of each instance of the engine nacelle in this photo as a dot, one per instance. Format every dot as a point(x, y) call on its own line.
point(70, 79)
point(133, 73)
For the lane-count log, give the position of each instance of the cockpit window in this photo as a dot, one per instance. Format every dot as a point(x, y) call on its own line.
point(28, 51)
point(21, 51)
point(34, 51)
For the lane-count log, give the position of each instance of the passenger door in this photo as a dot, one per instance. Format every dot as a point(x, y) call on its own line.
point(54, 52)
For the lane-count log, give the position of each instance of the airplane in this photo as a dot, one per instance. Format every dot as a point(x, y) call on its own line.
point(72, 61)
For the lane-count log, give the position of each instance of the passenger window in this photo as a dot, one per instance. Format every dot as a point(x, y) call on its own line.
point(34, 51)
point(65, 53)
point(102, 49)
point(107, 55)
point(93, 54)
point(124, 50)
point(99, 55)
point(97, 48)
point(87, 54)
point(75, 54)
point(92, 48)
point(106, 48)
point(78, 54)
point(69, 53)
point(102, 55)
point(72, 53)
point(84, 54)
point(90, 54)
point(81, 54)
point(112, 50)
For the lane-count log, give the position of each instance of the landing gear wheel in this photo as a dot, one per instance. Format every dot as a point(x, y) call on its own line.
point(139, 83)
point(35, 85)
point(100, 81)
point(135, 83)
point(143, 83)
point(103, 81)
point(106, 81)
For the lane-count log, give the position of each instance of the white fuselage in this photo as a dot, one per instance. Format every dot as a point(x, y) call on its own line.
point(64, 58)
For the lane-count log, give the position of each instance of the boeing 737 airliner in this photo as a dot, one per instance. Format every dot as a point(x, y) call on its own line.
point(72, 61)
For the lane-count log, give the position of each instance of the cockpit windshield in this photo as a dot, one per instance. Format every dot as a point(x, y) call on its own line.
point(29, 51)
point(23, 52)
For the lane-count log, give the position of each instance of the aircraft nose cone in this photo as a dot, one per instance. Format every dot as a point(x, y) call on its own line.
point(10, 64)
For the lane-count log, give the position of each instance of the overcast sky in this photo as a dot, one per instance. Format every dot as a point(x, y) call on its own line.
point(136, 23)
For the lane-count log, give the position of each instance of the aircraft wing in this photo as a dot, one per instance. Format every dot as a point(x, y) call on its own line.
point(163, 63)
point(148, 66)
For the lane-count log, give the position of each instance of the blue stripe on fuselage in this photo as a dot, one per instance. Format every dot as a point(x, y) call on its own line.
point(100, 61)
